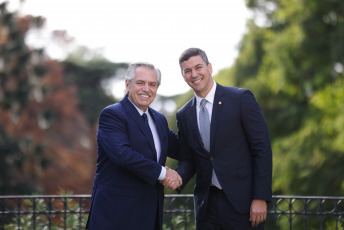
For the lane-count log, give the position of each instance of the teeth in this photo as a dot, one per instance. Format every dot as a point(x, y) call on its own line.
point(144, 96)
point(196, 81)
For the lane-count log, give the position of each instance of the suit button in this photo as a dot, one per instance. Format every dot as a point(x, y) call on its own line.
point(211, 158)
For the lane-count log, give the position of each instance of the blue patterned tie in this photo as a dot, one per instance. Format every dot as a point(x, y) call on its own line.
point(204, 129)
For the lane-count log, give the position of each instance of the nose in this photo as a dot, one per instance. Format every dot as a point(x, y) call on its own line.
point(146, 87)
point(194, 74)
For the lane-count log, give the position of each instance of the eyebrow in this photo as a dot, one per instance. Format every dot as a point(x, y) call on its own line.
point(197, 65)
point(149, 82)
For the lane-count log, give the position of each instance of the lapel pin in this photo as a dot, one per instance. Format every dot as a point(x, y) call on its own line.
point(220, 102)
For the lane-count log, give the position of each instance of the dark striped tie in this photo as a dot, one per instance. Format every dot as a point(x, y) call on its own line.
point(145, 118)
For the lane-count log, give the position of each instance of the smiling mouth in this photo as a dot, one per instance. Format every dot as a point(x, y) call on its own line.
point(197, 80)
point(145, 95)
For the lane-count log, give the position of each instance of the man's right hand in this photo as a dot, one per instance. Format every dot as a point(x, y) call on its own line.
point(172, 179)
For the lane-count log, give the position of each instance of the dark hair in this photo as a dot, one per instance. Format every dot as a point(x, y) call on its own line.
point(191, 52)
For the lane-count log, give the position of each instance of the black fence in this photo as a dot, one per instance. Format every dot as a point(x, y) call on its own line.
point(59, 212)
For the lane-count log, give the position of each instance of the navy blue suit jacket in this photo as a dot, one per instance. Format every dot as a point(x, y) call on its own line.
point(126, 192)
point(240, 150)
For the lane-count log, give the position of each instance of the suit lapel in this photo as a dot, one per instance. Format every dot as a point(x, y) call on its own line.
point(191, 117)
point(159, 126)
point(135, 115)
point(218, 104)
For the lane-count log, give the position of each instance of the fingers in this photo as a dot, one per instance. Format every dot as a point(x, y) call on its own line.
point(172, 179)
point(258, 212)
point(256, 220)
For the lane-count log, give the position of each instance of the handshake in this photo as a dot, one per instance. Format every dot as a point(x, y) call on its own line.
point(172, 179)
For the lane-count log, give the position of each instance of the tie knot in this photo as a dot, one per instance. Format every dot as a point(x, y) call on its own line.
point(203, 102)
point(144, 116)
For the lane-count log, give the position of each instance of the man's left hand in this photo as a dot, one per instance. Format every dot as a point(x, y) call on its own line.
point(258, 212)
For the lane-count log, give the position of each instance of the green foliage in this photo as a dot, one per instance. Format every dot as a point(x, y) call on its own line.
point(316, 150)
point(294, 65)
point(183, 219)
point(16, 86)
point(178, 222)
point(48, 112)
point(48, 220)
point(89, 71)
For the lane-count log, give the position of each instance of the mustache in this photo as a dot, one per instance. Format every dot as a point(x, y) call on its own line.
point(144, 93)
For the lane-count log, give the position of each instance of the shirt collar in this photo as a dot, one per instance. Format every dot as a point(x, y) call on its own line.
point(210, 96)
point(138, 110)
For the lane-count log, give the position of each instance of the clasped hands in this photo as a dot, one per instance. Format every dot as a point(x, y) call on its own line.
point(172, 179)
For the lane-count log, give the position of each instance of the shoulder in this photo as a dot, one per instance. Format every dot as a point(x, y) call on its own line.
point(157, 115)
point(233, 90)
point(114, 111)
point(114, 108)
point(187, 106)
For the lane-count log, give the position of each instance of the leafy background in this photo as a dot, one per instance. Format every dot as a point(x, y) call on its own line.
point(292, 62)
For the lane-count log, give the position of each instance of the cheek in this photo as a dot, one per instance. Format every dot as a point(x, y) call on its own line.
point(153, 94)
point(187, 79)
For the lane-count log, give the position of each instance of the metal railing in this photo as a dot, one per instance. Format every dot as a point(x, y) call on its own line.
point(71, 212)
point(306, 212)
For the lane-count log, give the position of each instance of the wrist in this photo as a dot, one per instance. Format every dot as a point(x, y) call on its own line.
point(162, 173)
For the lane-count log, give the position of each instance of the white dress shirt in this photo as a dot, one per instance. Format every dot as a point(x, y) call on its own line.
point(209, 105)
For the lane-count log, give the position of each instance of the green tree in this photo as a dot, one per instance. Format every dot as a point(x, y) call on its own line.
point(89, 71)
point(17, 77)
point(294, 65)
point(48, 113)
point(292, 58)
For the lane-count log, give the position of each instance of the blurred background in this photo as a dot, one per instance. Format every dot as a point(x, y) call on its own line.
point(62, 62)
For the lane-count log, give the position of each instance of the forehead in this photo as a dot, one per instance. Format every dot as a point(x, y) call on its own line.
point(145, 74)
point(192, 62)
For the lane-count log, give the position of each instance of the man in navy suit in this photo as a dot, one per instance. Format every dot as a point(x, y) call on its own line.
point(133, 143)
point(224, 139)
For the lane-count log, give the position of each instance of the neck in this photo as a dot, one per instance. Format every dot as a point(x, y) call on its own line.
point(204, 93)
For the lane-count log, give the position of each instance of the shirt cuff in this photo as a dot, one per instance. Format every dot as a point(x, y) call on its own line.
point(162, 173)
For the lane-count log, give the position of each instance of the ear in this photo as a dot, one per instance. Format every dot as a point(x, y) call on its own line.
point(126, 85)
point(210, 66)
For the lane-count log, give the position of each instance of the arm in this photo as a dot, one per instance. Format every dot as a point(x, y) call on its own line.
point(186, 168)
point(259, 142)
point(173, 145)
point(172, 179)
point(258, 138)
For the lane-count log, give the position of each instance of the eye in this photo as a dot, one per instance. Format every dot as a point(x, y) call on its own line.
point(153, 84)
point(140, 83)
